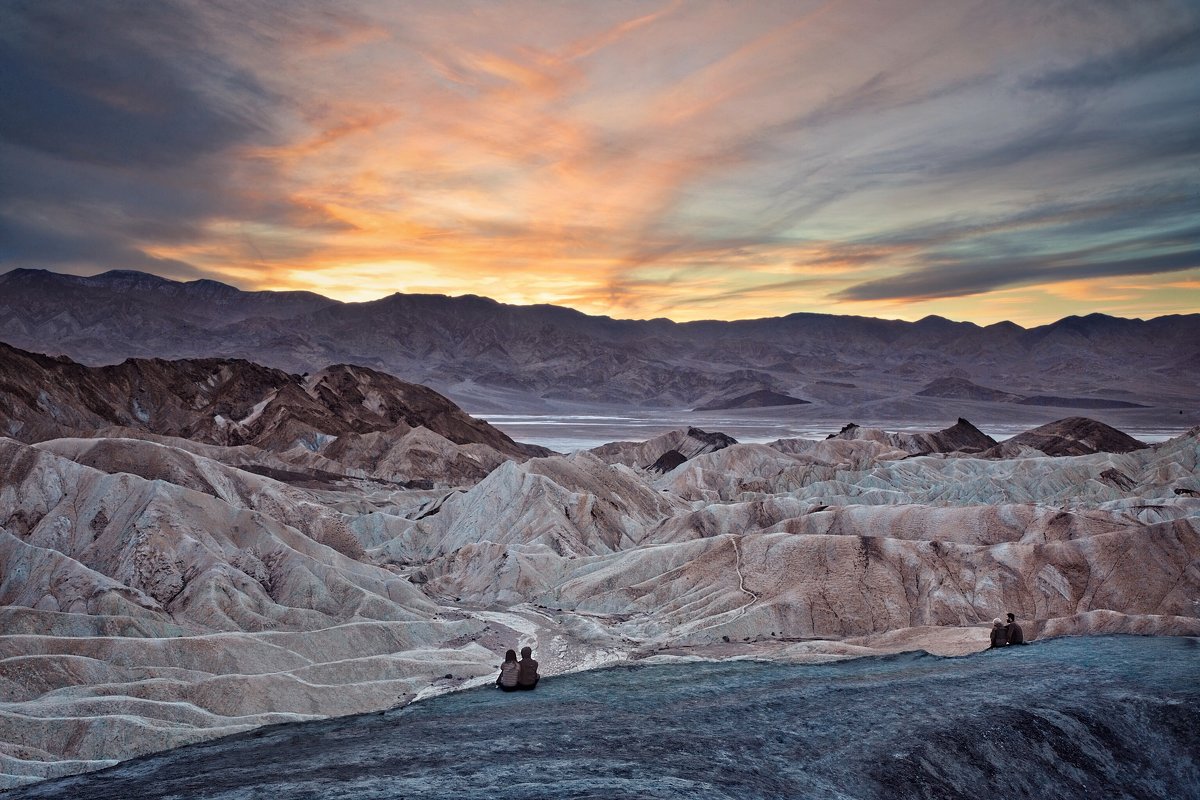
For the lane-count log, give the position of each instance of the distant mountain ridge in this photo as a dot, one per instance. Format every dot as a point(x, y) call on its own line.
point(494, 355)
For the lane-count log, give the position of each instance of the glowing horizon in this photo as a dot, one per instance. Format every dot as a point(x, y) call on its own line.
point(631, 159)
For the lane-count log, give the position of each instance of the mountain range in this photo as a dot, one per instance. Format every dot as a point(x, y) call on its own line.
point(491, 356)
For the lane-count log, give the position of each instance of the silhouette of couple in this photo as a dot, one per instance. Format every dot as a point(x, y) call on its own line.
point(1005, 635)
point(516, 675)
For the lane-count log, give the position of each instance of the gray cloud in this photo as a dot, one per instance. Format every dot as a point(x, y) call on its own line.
point(1144, 229)
point(965, 277)
point(31, 246)
point(1178, 47)
point(120, 122)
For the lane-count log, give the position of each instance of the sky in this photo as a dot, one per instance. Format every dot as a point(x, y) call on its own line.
point(693, 160)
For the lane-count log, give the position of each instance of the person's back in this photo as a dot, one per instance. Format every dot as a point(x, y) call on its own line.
point(510, 671)
point(1013, 632)
point(527, 676)
point(999, 634)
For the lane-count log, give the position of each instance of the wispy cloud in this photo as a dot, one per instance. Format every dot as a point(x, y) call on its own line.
point(652, 158)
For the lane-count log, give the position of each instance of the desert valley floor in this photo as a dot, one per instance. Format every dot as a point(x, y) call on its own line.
point(193, 549)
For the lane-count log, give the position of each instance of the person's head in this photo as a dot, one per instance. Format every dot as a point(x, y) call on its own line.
point(996, 623)
point(1011, 618)
point(511, 655)
point(526, 652)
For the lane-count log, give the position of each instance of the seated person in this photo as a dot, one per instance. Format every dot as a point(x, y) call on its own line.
point(527, 674)
point(999, 634)
point(507, 680)
point(1014, 633)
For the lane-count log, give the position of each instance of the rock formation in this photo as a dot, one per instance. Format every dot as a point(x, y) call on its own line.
point(225, 402)
point(663, 453)
point(1073, 436)
point(960, 437)
point(348, 542)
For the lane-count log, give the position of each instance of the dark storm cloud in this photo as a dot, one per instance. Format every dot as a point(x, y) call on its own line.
point(25, 244)
point(1174, 49)
point(126, 84)
point(118, 121)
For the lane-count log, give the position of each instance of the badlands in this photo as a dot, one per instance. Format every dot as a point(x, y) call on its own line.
point(195, 548)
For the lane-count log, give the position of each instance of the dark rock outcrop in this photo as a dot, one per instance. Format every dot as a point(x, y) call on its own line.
point(668, 461)
point(1073, 436)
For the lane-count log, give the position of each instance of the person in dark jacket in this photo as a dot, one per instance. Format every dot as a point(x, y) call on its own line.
point(509, 670)
point(1013, 632)
point(999, 634)
point(527, 675)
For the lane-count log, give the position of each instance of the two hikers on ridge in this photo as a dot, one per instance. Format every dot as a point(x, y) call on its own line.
point(515, 675)
point(1005, 635)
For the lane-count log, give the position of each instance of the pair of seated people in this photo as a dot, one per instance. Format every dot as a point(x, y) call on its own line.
point(516, 675)
point(1005, 635)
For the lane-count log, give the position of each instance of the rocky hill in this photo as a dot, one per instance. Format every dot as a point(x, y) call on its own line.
point(226, 402)
point(1074, 436)
point(501, 357)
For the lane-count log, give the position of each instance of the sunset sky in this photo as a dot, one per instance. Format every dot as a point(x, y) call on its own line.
point(981, 161)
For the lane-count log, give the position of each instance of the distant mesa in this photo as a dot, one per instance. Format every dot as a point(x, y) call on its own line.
point(1073, 436)
point(963, 389)
point(763, 398)
point(955, 388)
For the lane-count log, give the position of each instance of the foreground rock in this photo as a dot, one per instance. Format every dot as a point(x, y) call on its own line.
point(1070, 718)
